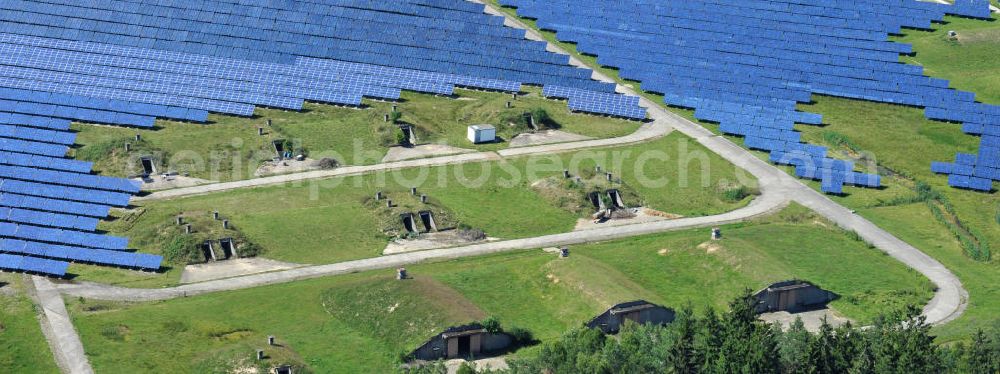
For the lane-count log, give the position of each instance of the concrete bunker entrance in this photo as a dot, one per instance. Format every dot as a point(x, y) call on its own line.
point(148, 168)
point(464, 345)
point(427, 218)
point(616, 199)
point(409, 134)
point(408, 222)
point(279, 147)
point(228, 247)
point(595, 199)
point(208, 251)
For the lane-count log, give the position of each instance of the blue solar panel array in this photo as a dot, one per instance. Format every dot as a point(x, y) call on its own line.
point(137, 60)
point(747, 65)
point(129, 62)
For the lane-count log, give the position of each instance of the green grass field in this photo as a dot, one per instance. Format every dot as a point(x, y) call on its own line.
point(228, 148)
point(361, 322)
point(22, 346)
point(330, 221)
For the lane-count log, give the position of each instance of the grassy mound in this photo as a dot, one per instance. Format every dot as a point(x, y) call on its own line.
point(403, 202)
point(575, 195)
point(402, 314)
point(167, 238)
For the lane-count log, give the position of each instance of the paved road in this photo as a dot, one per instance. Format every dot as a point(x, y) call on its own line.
point(58, 328)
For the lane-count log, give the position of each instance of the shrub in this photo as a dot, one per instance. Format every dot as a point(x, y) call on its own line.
point(328, 163)
point(542, 118)
point(472, 234)
point(395, 116)
point(183, 249)
point(735, 194)
point(492, 325)
point(521, 335)
point(465, 368)
point(113, 332)
point(248, 249)
point(401, 138)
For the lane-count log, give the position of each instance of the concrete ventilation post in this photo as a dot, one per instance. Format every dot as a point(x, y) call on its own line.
point(597, 169)
point(401, 273)
point(423, 199)
point(138, 137)
point(610, 177)
point(716, 233)
point(387, 118)
point(566, 174)
point(564, 252)
point(215, 215)
point(188, 229)
point(378, 196)
point(513, 96)
point(268, 123)
point(260, 131)
point(260, 355)
point(180, 220)
point(225, 224)
point(508, 105)
point(413, 191)
point(128, 147)
point(270, 340)
point(388, 203)
point(395, 108)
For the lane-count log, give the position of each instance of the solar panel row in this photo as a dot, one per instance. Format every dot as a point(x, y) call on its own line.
point(747, 67)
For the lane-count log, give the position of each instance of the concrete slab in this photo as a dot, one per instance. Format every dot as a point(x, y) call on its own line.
point(159, 182)
point(641, 215)
point(434, 240)
point(812, 319)
point(422, 151)
point(232, 268)
point(545, 137)
point(286, 167)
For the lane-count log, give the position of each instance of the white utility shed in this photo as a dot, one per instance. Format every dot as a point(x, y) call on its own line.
point(482, 134)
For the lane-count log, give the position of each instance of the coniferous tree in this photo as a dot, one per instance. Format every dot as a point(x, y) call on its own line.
point(981, 358)
point(820, 354)
point(682, 356)
point(793, 347)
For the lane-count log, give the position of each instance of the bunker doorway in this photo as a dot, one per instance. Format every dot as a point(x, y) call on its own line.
point(427, 218)
point(147, 166)
point(228, 247)
point(408, 222)
point(208, 251)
